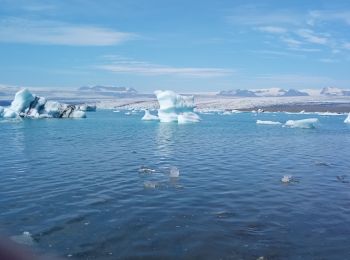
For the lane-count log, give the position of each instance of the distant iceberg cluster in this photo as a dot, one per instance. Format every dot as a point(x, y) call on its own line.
point(28, 105)
point(173, 108)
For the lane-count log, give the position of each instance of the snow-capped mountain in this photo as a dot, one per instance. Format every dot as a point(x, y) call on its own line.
point(333, 91)
point(269, 92)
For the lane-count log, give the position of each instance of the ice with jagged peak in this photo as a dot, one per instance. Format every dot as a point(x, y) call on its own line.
point(176, 108)
point(25, 104)
point(347, 120)
point(267, 122)
point(148, 116)
point(303, 123)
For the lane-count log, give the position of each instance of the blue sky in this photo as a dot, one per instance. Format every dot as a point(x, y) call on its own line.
point(187, 46)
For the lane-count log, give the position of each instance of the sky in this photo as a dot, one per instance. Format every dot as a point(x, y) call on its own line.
point(187, 46)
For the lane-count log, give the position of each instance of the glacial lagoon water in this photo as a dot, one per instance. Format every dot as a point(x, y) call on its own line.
point(99, 188)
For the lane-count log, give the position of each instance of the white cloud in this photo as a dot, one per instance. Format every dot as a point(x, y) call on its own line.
point(291, 42)
point(311, 37)
point(57, 33)
point(272, 29)
point(128, 66)
point(253, 16)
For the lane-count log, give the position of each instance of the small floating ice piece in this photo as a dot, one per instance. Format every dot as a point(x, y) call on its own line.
point(25, 238)
point(347, 120)
point(144, 169)
point(174, 172)
point(287, 179)
point(148, 116)
point(263, 122)
point(150, 184)
point(303, 123)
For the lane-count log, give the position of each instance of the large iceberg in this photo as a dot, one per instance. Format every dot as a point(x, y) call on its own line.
point(28, 105)
point(175, 108)
point(304, 123)
point(347, 120)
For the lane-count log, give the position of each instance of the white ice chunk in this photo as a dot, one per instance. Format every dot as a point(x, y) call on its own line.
point(262, 122)
point(304, 123)
point(286, 179)
point(175, 108)
point(347, 120)
point(78, 114)
point(148, 116)
point(22, 101)
point(26, 104)
point(188, 117)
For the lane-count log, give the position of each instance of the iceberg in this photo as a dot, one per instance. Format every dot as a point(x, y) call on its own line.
point(148, 116)
point(304, 123)
point(262, 122)
point(347, 120)
point(175, 108)
point(25, 104)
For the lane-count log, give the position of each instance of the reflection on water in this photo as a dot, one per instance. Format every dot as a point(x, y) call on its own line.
point(165, 139)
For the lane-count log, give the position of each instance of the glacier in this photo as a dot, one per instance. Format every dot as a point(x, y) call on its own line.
point(303, 123)
point(26, 104)
point(176, 108)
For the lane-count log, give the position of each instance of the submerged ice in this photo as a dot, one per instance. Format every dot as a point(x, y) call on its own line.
point(25, 104)
point(176, 108)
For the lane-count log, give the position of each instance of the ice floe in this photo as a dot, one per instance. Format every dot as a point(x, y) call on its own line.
point(148, 116)
point(303, 123)
point(175, 108)
point(25, 104)
point(266, 122)
point(347, 119)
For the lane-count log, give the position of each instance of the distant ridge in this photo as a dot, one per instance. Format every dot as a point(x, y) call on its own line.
point(270, 92)
point(333, 91)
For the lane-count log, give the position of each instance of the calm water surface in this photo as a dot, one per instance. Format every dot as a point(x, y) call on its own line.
point(76, 186)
